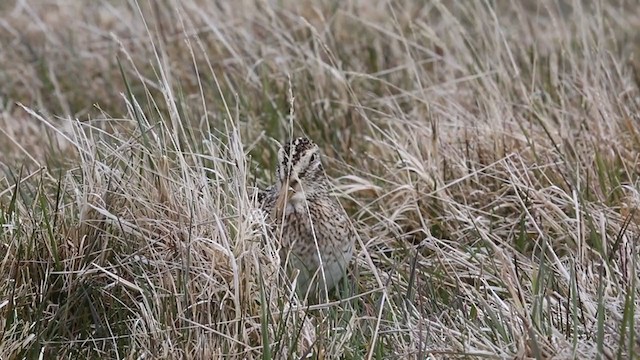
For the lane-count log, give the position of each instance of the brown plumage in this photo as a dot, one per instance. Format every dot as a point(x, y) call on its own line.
point(311, 224)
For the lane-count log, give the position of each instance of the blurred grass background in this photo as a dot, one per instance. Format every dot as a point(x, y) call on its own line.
point(486, 151)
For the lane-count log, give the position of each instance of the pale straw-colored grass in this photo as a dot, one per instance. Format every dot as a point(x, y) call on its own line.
point(486, 152)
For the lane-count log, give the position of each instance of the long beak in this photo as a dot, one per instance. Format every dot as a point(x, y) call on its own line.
point(286, 192)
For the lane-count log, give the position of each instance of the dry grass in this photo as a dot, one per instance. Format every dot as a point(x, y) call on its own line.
point(486, 150)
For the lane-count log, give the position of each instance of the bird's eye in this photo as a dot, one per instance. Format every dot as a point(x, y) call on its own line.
point(314, 157)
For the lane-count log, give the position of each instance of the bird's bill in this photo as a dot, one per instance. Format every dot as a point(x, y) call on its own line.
point(286, 192)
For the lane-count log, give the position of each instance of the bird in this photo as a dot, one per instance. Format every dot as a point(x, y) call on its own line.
point(316, 235)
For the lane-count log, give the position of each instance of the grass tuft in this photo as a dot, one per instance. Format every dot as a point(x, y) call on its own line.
point(485, 151)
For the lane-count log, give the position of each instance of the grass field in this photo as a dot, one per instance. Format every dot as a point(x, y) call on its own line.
point(487, 152)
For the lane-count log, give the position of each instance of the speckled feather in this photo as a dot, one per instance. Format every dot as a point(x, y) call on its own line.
point(313, 212)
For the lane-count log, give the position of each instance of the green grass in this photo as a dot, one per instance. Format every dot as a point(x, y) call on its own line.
point(485, 151)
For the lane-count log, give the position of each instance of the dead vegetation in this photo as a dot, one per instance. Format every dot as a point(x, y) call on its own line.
point(486, 151)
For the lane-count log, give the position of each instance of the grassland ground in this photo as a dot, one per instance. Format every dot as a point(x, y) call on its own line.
point(486, 152)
